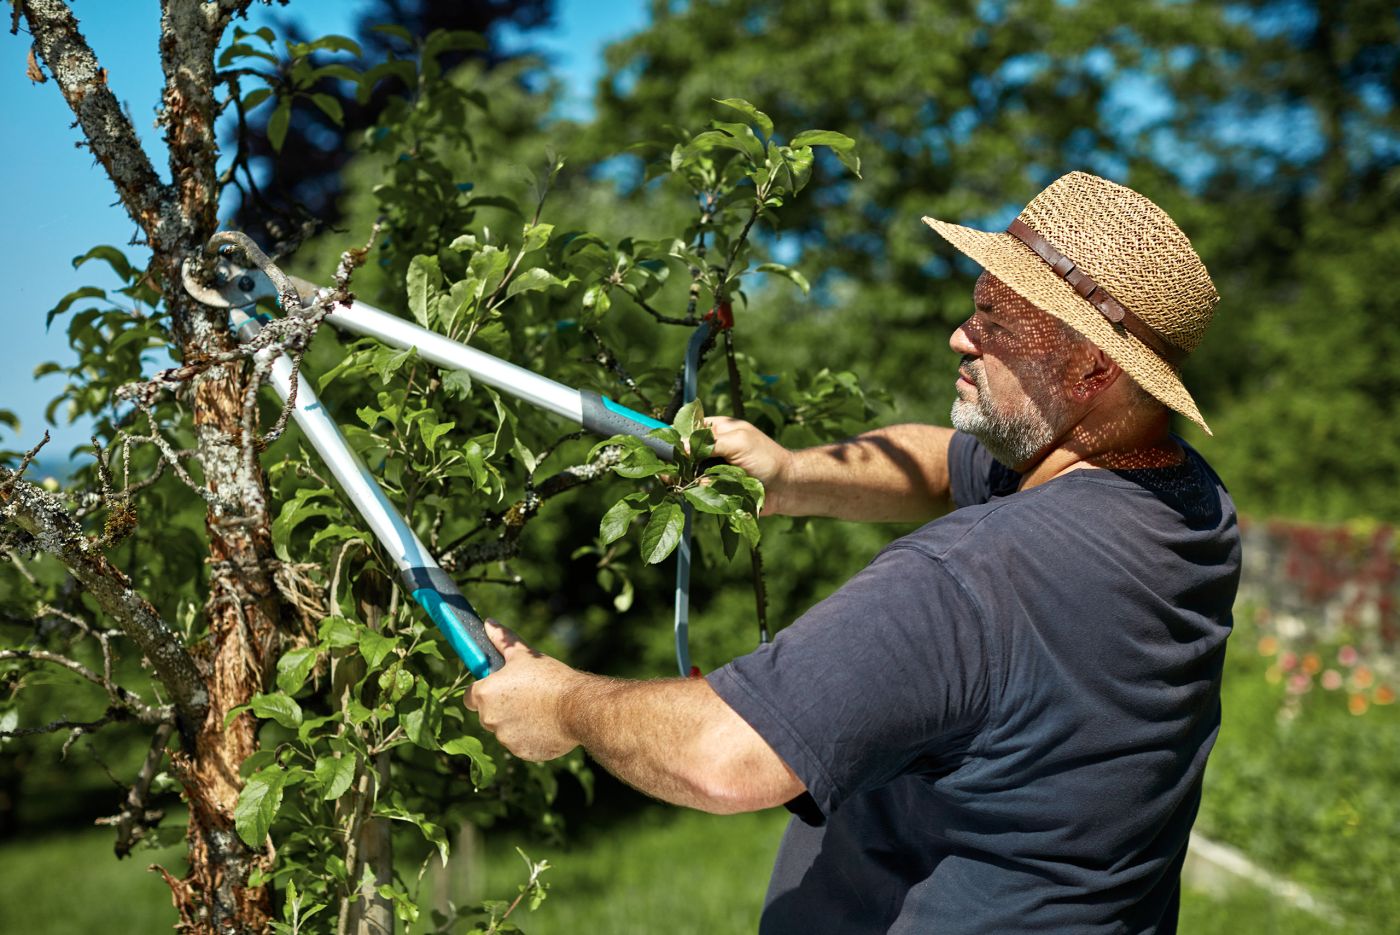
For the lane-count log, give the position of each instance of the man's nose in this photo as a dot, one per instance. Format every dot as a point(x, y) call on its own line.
point(961, 342)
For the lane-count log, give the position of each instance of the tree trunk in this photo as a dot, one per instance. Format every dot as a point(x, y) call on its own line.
point(243, 606)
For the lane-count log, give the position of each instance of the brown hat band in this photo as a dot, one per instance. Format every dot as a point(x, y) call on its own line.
point(1095, 294)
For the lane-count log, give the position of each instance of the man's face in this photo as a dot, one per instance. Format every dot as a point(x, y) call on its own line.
point(1014, 383)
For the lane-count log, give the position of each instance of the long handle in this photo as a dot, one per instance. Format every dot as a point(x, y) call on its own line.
point(689, 383)
point(429, 584)
point(592, 411)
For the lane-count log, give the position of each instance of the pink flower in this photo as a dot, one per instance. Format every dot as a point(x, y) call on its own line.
point(1348, 655)
point(1288, 662)
point(1299, 682)
point(1331, 680)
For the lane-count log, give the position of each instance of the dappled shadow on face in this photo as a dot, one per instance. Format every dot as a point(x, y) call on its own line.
point(1031, 383)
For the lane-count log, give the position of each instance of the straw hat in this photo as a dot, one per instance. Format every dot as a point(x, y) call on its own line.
point(1113, 266)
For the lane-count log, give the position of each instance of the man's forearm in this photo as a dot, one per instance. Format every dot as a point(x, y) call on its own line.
point(894, 474)
point(676, 740)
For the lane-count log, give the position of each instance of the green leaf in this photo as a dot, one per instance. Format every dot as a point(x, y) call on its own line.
point(424, 279)
point(823, 138)
point(744, 524)
point(423, 723)
point(256, 761)
point(748, 110)
point(535, 237)
point(335, 532)
point(277, 707)
point(337, 43)
point(294, 667)
point(729, 539)
point(689, 418)
point(258, 805)
point(387, 362)
point(396, 681)
point(112, 257)
point(330, 107)
point(663, 532)
point(398, 32)
point(457, 383)
point(336, 70)
point(483, 767)
point(374, 646)
point(255, 97)
point(839, 143)
point(431, 433)
point(534, 280)
point(617, 521)
point(334, 775)
point(788, 273)
point(707, 500)
point(297, 510)
point(337, 633)
point(277, 124)
point(86, 292)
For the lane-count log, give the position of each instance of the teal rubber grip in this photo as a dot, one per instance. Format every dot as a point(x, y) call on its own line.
point(604, 416)
point(456, 618)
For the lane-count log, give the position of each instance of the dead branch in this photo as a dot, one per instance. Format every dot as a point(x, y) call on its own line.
point(120, 697)
point(136, 816)
point(56, 532)
point(24, 463)
point(606, 358)
point(105, 125)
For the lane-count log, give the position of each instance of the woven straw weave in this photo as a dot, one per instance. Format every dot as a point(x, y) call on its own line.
point(1132, 249)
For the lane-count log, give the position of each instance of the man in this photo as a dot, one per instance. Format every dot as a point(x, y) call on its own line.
point(1000, 724)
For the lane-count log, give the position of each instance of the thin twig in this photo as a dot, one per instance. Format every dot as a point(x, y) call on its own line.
point(24, 463)
point(610, 361)
point(136, 815)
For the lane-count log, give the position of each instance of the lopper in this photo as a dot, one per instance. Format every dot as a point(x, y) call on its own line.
point(238, 287)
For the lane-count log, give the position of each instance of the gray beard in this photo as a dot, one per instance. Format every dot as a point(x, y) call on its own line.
point(1013, 437)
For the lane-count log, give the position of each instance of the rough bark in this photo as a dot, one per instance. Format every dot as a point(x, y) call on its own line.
point(242, 608)
point(54, 531)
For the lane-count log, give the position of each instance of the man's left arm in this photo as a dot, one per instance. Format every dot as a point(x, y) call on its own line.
point(674, 739)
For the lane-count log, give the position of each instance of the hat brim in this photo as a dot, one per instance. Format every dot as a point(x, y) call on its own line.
point(1017, 265)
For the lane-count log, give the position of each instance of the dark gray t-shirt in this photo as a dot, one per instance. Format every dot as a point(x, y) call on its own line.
point(1002, 721)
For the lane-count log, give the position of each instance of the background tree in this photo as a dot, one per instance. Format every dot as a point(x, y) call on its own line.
point(1268, 129)
point(301, 188)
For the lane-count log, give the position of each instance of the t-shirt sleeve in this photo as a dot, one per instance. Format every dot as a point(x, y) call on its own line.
point(974, 476)
point(886, 673)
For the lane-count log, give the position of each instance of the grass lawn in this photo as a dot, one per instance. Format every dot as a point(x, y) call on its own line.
point(1313, 799)
point(663, 871)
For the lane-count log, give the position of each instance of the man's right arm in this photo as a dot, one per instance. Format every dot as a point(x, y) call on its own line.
point(894, 474)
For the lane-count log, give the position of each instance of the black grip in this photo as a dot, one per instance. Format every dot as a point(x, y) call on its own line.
point(455, 617)
point(604, 417)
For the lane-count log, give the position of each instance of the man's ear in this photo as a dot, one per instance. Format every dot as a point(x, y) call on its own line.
point(1096, 373)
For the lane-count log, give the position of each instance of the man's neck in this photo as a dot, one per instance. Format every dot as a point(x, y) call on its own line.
point(1133, 444)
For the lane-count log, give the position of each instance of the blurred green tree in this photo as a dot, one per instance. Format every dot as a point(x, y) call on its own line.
point(1268, 129)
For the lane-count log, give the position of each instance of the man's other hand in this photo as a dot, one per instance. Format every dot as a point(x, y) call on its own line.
point(521, 702)
point(743, 445)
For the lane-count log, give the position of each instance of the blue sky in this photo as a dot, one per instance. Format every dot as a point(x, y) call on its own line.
point(58, 202)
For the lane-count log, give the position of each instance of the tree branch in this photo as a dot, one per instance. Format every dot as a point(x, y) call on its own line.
point(136, 816)
point(119, 696)
point(512, 521)
point(108, 131)
point(57, 533)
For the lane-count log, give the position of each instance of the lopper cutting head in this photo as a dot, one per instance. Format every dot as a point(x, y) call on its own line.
point(233, 286)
